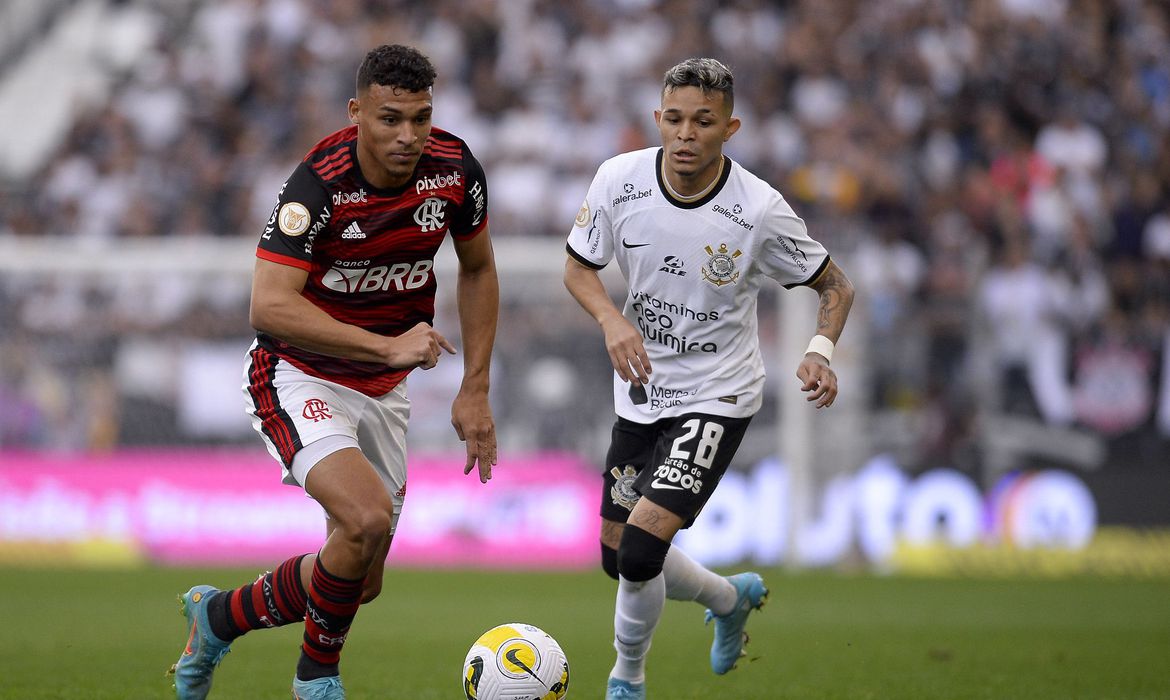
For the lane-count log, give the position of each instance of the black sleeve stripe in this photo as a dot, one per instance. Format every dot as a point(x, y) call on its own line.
point(473, 211)
point(813, 277)
point(576, 256)
point(305, 187)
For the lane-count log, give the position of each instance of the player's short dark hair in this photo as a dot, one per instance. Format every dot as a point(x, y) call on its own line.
point(394, 65)
point(707, 74)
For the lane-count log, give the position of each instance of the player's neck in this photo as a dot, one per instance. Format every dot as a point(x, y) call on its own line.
point(375, 174)
point(695, 187)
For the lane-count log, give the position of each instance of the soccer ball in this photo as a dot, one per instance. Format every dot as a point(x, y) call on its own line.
point(515, 662)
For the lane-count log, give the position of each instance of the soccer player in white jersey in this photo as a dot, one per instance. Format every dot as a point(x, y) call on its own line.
point(694, 234)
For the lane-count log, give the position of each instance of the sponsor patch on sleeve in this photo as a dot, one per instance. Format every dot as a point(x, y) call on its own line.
point(293, 218)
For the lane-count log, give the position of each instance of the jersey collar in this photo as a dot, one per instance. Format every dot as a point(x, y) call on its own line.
point(668, 192)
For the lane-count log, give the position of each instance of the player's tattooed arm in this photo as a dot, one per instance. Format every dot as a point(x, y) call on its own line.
point(817, 379)
point(836, 298)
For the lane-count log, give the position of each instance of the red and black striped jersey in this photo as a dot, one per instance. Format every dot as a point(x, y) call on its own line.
point(370, 252)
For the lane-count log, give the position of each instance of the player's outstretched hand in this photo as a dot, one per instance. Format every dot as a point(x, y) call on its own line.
point(420, 346)
point(818, 379)
point(471, 416)
point(627, 351)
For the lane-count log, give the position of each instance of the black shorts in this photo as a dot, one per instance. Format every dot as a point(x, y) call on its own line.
point(675, 462)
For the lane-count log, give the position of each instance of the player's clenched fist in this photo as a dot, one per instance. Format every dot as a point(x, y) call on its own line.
point(418, 347)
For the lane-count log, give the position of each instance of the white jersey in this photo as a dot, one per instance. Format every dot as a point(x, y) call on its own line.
point(694, 271)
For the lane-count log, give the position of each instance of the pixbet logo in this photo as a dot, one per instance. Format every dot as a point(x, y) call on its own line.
point(400, 276)
point(438, 182)
point(350, 197)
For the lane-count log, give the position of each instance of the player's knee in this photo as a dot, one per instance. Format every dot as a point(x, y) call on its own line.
point(366, 529)
point(641, 555)
point(374, 525)
point(609, 558)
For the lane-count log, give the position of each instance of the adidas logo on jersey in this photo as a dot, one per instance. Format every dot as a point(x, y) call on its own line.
point(353, 231)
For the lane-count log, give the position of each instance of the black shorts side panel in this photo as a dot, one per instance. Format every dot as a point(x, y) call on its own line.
point(630, 448)
point(675, 462)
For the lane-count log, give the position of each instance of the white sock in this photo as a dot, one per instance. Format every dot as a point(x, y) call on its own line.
point(687, 579)
point(639, 606)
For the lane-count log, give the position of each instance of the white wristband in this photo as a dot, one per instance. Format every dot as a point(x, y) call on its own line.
point(821, 346)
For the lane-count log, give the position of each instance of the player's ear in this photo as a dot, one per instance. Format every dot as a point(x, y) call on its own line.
point(733, 125)
point(353, 110)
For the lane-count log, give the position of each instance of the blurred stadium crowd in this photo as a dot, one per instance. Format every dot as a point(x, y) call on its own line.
point(995, 175)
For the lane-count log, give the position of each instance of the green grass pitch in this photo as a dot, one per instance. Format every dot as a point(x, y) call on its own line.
point(81, 634)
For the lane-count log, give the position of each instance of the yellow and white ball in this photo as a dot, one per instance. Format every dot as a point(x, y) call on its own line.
point(515, 661)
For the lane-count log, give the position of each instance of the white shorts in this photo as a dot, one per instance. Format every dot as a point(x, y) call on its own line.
point(303, 419)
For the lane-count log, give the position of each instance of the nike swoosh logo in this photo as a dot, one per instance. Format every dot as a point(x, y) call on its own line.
point(187, 650)
point(656, 485)
point(514, 658)
point(633, 245)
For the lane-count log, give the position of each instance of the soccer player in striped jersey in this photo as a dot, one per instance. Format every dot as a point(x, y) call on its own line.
point(694, 234)
point(343, 299)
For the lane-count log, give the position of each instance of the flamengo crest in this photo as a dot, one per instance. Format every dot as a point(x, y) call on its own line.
point(316, 410)
point(429, 215)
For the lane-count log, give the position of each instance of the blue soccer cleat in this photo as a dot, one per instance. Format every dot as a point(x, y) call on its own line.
point(327, 688)
point(624, 690)
point(204, 650)
point(729, 635)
